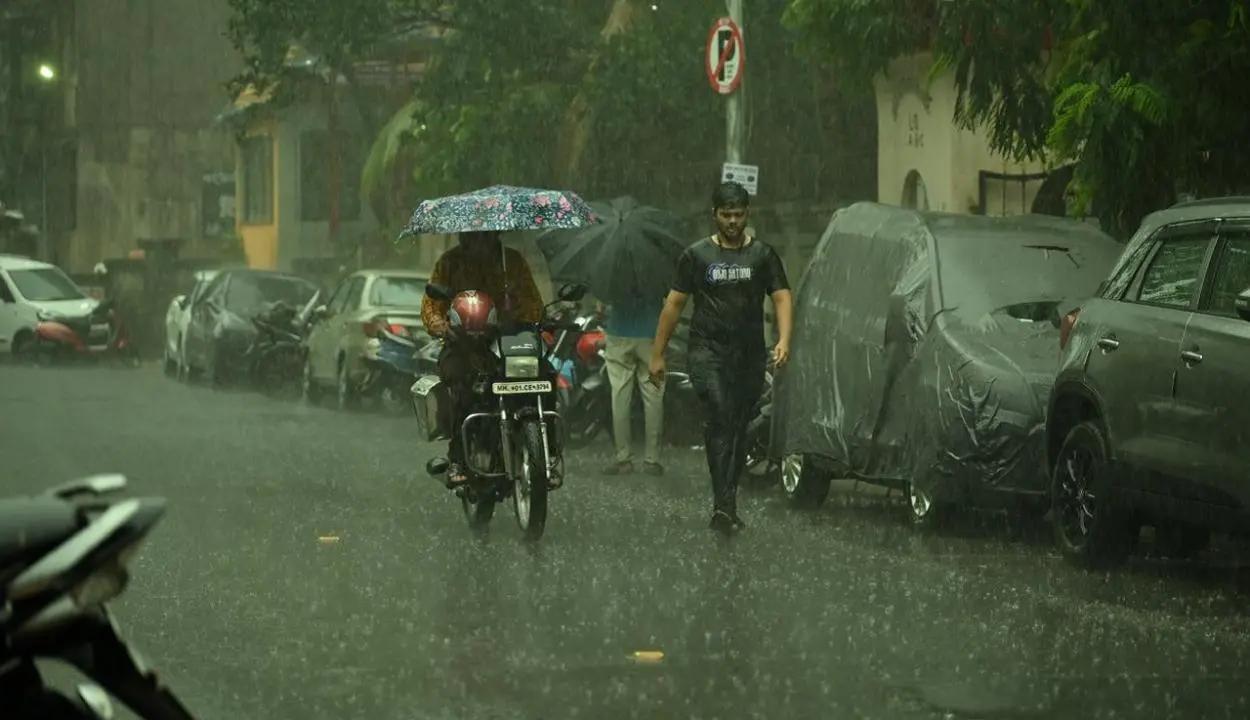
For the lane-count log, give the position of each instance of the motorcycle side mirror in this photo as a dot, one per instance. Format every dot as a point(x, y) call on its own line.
point(572, 292)
point(439, 292)
point(437, 466)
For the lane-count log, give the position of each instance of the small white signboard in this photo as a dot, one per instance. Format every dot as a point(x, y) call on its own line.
point(748, 176)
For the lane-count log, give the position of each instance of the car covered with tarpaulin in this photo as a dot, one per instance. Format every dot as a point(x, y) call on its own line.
point(924, 348)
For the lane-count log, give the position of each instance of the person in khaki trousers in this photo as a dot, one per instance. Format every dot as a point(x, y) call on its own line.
point(630, 329)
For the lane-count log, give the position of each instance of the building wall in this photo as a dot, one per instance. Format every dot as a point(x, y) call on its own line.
point(917, 133)
point(146, 82)
point(288, 238)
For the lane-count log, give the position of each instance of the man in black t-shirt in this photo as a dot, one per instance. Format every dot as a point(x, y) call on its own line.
point(729, 274)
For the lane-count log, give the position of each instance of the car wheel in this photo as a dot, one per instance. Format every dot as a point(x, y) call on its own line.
point(171, 365)
point(347, 398)
point(308, 385)
point(925, 509)
point(24, 348)
point(805, 485)
point(1091, 529)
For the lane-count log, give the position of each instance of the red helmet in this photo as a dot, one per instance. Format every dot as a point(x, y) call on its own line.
point(472, 313)
point(589, 343)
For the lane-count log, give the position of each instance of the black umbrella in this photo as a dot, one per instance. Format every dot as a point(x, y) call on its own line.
point(630, 254)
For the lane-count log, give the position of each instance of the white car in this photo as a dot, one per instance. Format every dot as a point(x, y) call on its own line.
point(363, 339)
point(177, 317)
point(31, 291)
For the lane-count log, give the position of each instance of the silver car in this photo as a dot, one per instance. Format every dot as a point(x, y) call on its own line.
point(363, 340)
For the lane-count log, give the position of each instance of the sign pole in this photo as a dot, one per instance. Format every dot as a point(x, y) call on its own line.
point(735, 126)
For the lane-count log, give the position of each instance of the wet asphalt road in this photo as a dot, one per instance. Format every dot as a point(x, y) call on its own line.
point(844, 612)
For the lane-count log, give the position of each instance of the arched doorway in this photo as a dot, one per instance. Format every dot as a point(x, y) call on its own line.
point(915, 196)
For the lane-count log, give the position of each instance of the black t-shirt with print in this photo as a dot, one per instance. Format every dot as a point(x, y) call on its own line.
point(729, 287)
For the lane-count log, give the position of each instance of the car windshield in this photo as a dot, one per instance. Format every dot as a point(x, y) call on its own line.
point(397, 292)
point(1018, 282)
point(248, 293)
point(45, 285)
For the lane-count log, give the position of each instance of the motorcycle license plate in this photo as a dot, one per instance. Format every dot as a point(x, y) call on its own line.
point(521, 388)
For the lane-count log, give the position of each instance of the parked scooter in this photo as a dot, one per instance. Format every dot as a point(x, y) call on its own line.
point(63, 556)
point(393, 359)
point(102, 333)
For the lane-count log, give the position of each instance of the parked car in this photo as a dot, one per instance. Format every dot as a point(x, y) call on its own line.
point(923, 352)
point(364, 339)
point(1148, 421)
point(221, 330)
point(32, 292)
point(178, 316)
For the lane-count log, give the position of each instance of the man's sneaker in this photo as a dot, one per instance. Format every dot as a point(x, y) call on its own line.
point(723, 523)
point(625, 468)
point(655, 469)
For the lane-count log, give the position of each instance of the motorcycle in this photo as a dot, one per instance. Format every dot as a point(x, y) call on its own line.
point(100, 333)
point(511, 436)
point(582, 382)
point(275, 358)
point(64, 555)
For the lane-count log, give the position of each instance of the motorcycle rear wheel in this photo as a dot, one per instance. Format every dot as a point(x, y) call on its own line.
point(530, 481)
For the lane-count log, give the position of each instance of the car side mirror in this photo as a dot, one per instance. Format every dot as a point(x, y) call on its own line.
point(1242, 304)
point(572, 292)
point(439, 292)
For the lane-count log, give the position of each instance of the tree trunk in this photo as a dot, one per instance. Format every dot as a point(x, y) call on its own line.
point(576, 132)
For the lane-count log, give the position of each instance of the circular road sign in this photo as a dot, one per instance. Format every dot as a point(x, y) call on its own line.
point(725, 56)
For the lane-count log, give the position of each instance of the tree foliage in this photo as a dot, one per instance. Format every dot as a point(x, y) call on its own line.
point(1145, 99)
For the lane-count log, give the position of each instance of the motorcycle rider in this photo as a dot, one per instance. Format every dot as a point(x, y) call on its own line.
point(477, 262)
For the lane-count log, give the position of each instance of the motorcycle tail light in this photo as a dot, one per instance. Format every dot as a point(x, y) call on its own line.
point(400, 330)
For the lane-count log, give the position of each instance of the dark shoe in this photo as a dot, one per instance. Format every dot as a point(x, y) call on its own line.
point(655, 469)
point(723, 523)
point(456, 475)
point(625, 468)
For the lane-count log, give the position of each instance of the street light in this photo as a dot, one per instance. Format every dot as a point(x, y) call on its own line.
point(47, 74)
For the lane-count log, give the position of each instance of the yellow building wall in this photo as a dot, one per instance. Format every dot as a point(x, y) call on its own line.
point(260, 242)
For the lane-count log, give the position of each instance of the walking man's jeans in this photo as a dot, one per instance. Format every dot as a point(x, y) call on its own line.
point(628, 361)
point(728, 384)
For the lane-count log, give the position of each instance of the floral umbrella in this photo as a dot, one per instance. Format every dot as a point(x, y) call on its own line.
point(500, 208)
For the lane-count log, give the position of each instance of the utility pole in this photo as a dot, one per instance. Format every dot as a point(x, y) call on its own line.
point(735, 121)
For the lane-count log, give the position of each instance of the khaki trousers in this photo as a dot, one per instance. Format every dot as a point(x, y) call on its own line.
point(628, 361)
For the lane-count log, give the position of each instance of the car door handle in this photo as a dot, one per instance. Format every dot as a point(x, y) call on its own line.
point(1191, 357)
point(1109, 343)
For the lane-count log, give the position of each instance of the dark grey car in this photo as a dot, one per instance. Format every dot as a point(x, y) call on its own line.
point(1148, 421)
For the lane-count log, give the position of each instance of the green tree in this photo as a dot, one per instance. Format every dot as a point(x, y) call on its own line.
point(1145, 99)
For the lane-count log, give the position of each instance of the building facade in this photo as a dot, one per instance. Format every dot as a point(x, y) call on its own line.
point(117, 139)
point(927, 162)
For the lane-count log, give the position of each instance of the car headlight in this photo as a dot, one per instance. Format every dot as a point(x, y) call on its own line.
point(520, 367)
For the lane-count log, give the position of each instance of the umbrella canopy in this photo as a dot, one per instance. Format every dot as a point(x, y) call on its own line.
point(500, 208)
point(630, 254)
